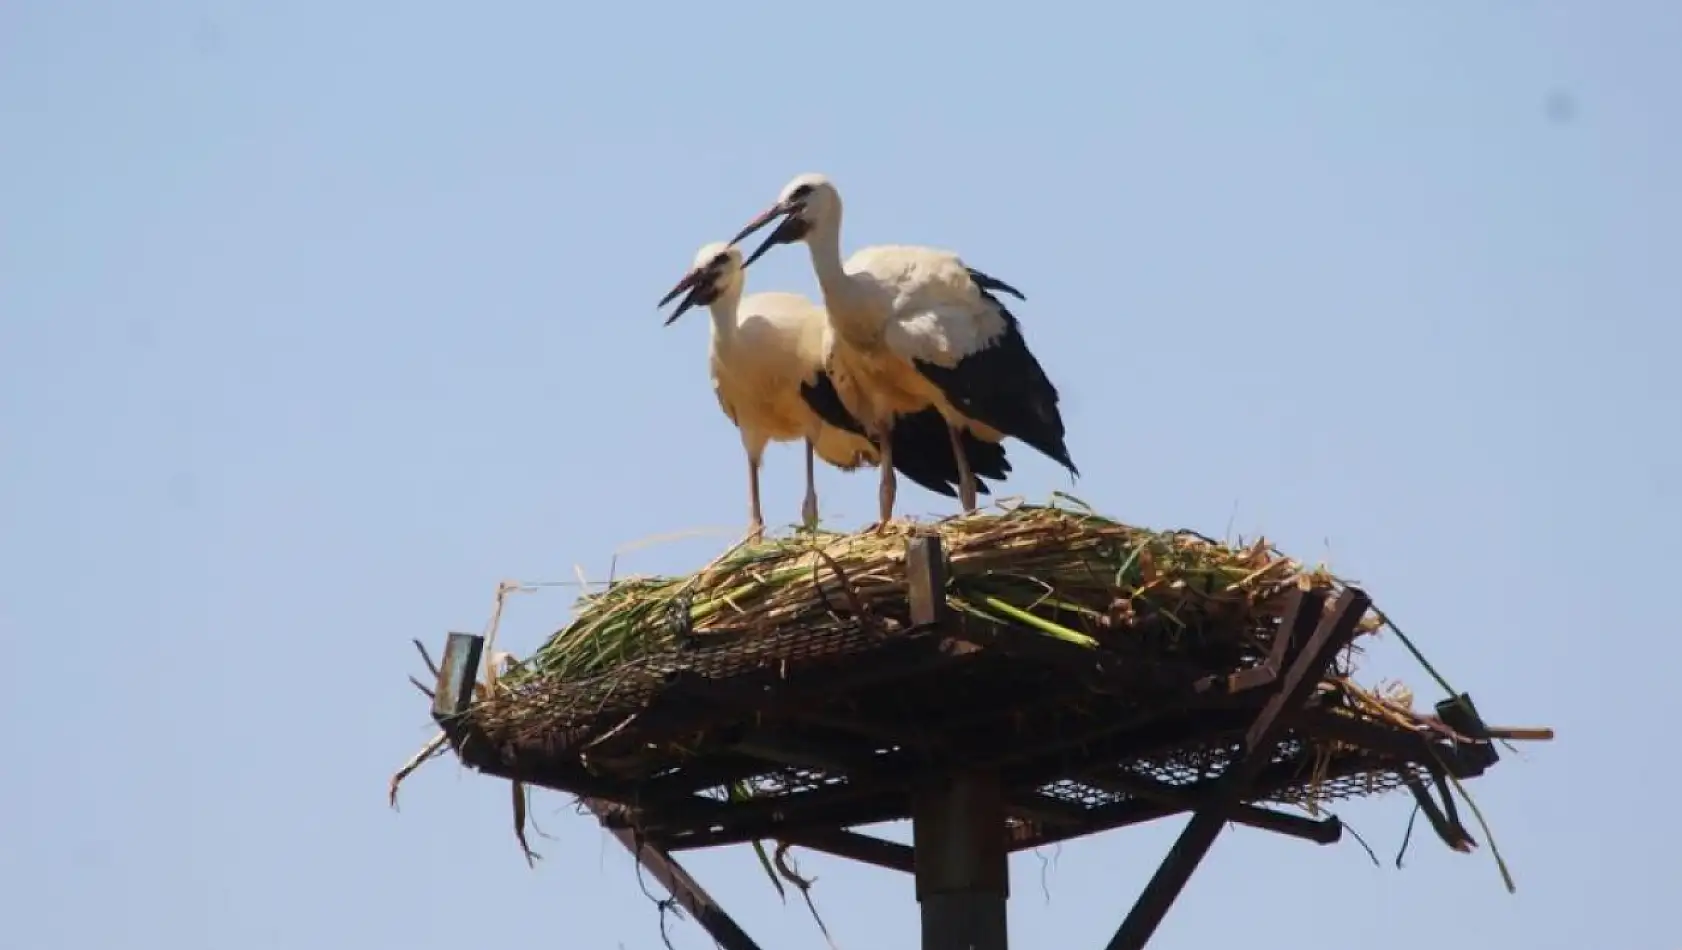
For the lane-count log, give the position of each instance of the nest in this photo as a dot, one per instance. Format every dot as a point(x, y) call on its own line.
point(1160, 600)
point(1107, 674)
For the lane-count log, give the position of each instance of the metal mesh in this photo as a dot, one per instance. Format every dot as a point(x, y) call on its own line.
point(635, 727)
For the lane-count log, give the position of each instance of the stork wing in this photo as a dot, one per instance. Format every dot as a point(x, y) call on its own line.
point(991, 376)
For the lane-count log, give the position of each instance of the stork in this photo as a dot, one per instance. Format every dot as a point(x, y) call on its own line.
point(767, 354)
point(916, 328)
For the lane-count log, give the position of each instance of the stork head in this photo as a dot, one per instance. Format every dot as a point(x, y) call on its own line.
point(804, 203)
point(717, 270)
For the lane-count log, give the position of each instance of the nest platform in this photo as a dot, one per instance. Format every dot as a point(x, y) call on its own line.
point(1005, 682)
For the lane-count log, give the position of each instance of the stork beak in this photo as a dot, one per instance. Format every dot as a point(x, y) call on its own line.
point(792, 229)
point(690, 282)
point(765, 217)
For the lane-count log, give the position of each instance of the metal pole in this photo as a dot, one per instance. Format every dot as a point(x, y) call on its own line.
point(963, 877)
point(957, 820)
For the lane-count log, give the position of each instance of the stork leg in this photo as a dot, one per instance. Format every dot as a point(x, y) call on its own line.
point(885, 494)
point(809, 508)
point(966, 478)
point(756, 520)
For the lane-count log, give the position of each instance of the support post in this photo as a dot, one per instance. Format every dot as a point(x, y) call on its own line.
point(958, 835)
point(957, 820)
point(1336, 627)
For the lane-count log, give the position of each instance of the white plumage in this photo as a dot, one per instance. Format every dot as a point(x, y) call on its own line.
point(914, 329)
point(763, 347)
point(937, 314)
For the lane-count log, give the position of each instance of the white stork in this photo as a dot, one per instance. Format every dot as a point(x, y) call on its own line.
point(915, 328)
point(766, 363)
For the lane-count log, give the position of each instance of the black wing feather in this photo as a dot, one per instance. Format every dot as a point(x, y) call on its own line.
point(987, 283)
point(1003, 386)
point(821, 396)
point(922, 446)
point(923, 453)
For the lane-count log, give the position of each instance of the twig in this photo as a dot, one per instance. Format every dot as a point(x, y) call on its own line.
point(1363, 843)
point(788, 871)
point(853, 599)
point(1407, 836)
point(519, 790)
point(1408, 643)
point(428, 751)
point(664, 905)
point(502, 591)
point(426, 658)
point(1500, 862)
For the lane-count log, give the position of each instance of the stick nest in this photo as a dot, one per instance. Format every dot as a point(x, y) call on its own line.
point(1073, 575)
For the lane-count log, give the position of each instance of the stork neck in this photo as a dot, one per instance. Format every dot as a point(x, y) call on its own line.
point(723, 310)
point(824, 246)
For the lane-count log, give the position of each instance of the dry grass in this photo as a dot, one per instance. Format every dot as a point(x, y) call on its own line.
point(1068, 573)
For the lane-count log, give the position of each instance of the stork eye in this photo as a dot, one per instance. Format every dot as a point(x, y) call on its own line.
point(720, 262)
point(799, 192)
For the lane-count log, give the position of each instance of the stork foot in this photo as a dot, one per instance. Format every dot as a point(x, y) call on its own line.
point(809, 513)
point(756, 532)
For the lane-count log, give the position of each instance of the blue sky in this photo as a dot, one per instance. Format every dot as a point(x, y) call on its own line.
point(318, 320)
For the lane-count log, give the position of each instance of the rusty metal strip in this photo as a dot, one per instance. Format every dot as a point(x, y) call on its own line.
point(1336, 627)
point(684, 889)
point(456, 676)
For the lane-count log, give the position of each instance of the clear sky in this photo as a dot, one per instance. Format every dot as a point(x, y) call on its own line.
point(317, 320)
